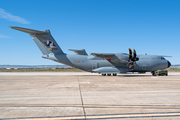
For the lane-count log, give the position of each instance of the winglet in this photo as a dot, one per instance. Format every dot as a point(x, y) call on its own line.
point(30, 31)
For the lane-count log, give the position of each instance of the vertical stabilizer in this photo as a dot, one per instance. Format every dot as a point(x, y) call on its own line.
point(44, 40)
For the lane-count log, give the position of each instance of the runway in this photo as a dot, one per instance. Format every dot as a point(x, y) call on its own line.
point(54, 96)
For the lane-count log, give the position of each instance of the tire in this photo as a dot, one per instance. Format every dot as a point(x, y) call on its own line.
point(153, 74)
point(103, 74)
point(114, 74)
point(109, 74)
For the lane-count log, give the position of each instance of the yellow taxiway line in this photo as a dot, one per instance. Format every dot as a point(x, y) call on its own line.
point(111, 116)
point(131, 115)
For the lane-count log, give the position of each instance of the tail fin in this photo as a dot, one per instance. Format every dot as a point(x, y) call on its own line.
point(43, 39)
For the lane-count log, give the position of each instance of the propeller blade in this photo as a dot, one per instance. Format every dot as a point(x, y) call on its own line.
point(134, 53)
point(130, 54)
point(132, 66)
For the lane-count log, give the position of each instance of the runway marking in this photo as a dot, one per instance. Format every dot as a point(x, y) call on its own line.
point(82, 99)
point(135, 115)
point(95, 106)
point(102, 116)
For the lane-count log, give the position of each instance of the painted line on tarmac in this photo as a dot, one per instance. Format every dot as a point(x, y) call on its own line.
point(135, 115)
point(96, 106)
point(143, 106)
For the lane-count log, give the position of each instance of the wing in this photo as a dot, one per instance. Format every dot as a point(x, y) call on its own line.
point(103, 55)
point(166, 56)
point(110, 57)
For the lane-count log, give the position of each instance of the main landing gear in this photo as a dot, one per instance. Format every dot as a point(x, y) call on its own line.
point(114, 74)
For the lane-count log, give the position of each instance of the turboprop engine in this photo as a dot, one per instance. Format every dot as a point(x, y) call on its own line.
point(132, 59)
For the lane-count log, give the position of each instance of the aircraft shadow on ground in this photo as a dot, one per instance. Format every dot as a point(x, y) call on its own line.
point(134, 75)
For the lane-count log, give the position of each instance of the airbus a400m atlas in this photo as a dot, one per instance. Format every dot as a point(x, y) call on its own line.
point(103, 63)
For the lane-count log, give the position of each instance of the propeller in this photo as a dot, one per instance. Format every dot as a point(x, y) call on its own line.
point(130, 54)
point(135, 58)
point(132, 59)
point(134, 53)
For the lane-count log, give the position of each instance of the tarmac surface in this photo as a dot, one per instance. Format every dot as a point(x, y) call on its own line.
point(82, 95)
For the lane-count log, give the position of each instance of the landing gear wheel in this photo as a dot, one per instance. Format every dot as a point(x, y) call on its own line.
point(109, 74)
point(114, 74)
point(103, 74)
point(153, 73)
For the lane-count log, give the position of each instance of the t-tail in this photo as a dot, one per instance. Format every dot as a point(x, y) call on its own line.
point(47, 45)
point(44, 41)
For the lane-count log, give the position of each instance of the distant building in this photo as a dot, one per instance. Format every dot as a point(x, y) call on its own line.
point(11, 68)
point(175, 66)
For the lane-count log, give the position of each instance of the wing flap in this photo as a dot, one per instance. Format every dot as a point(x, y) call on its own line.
point(103, 55)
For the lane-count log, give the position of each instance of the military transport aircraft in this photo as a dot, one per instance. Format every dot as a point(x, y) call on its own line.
point(102, 63)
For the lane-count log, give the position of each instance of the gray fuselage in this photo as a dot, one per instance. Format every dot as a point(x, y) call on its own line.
point(103, 63)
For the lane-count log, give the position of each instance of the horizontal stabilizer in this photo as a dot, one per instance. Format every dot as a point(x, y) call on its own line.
point(30, 31)
point(79, 52)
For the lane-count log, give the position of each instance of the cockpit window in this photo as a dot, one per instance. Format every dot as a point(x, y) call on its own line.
point(162, 58)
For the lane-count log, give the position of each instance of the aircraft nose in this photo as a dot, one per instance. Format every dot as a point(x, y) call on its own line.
point(169, 64)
